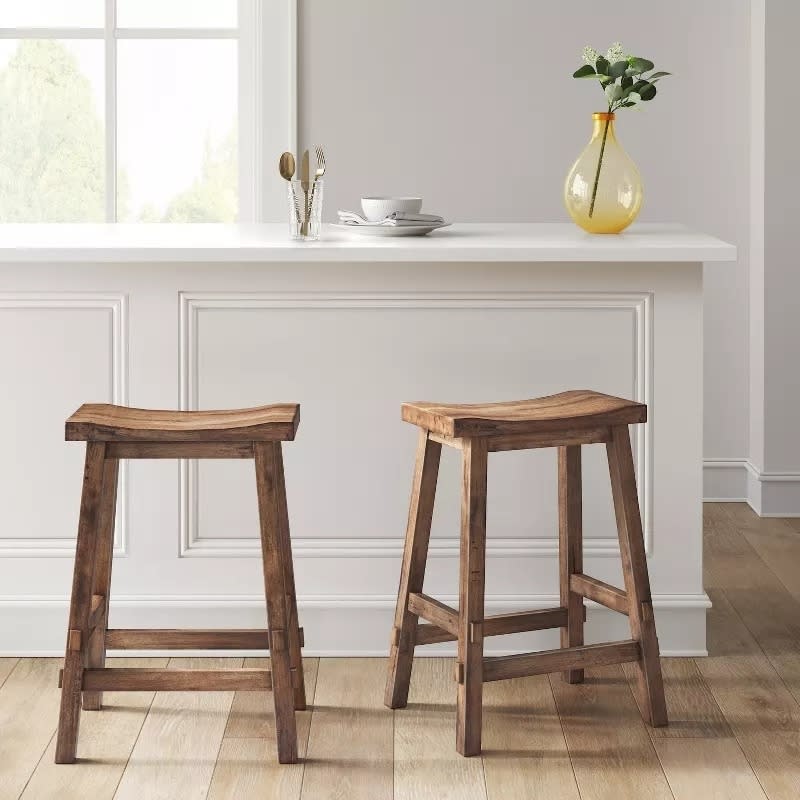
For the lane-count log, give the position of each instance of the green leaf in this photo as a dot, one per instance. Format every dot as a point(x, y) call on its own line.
point(617, 69)
point(602, 66)
point(586, 71)
point(633, 98)
point(627, 82)
point(627, 105)
point(640, 64)
point(657, 75)
point(647, 92)
point(614, 93)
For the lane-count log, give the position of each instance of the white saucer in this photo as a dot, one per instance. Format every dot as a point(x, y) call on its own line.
point(389, 230)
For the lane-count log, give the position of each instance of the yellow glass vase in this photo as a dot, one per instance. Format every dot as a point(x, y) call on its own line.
point(603, 192)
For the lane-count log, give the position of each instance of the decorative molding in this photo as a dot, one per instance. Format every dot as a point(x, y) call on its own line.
point(725, 480)
point(639, 304)
point(681, 622)
point(514, 602)
point(738, 480)
point(117, 305)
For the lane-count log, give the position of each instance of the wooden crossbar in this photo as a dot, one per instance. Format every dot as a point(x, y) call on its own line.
point(522, 621)
point(189, 639)
point(599, 591)
point(432, 634)
point(433, 611)
point(500, 624)
point(533, 441)
point(134, 679)
point(499, 668)
point(179, 450)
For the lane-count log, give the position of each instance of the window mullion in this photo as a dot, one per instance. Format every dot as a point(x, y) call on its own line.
point(110, 39)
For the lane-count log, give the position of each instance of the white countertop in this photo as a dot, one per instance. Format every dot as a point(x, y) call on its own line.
point(485, 242)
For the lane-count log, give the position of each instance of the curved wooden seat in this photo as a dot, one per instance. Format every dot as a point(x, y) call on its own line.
point(578, 409)
point(102, 422)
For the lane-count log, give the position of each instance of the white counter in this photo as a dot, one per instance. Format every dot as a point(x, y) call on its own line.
point(269, 243)
point(217, 316)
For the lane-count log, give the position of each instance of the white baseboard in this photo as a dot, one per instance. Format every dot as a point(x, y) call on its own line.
point(738, 480)
point(336, 625)
point(725, 480)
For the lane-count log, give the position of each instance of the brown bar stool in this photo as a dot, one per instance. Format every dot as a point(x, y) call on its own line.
point(114, 432)
point(567, 421)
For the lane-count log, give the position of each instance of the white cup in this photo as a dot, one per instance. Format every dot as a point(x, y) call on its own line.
point(378, 208)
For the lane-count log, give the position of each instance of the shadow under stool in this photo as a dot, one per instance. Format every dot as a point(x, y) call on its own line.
point(566, 421)
point(115, 432)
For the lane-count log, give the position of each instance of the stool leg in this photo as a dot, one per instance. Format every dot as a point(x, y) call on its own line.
point(412, 573)
point(101, 583)
point(77, 634)
point(471, 593)
point(650, 687)
point(268, 483)
point(295, 654)
point(570, 548)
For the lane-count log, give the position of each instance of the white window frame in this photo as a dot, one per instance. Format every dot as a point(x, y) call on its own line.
point(267, 53)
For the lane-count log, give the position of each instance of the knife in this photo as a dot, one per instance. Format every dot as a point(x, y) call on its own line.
point(305, 178)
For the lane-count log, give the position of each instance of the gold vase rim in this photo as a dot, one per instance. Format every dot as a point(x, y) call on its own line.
point(604, 115)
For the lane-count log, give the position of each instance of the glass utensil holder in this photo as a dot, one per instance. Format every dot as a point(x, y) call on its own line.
point(305, 210)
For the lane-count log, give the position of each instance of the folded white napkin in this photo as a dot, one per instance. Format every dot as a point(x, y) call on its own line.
point(397, 218)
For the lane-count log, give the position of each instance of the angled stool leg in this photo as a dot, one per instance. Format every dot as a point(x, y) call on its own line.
point(295, 653)
point(412, 573)
point(471, 595)
point(570, 548)
point(101, 583)
point(77, 634)
point(267, 460)
point(650, 687)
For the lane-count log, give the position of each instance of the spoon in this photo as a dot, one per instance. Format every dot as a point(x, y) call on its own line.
point(286, 166)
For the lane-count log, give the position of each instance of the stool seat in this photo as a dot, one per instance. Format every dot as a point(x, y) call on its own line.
point(103, 422)
point(580, 408)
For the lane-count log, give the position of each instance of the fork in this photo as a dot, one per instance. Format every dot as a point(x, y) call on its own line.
point(320, 171)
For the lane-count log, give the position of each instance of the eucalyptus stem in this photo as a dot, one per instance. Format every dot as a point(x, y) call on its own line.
point(599, 165)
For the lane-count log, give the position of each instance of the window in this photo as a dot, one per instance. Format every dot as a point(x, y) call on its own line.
point(142, 110)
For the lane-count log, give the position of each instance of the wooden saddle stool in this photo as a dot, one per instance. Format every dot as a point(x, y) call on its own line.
point(115, 432)
point(565, 421)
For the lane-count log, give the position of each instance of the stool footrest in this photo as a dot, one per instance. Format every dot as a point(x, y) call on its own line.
point(433, 611)
point(601, 592)
point(433, 634)
point(134, 679)
point(495, 625)
point(500, 668)
point(523, 621)
point(189, 639)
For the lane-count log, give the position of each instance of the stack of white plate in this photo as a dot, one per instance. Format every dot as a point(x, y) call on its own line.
point(389, 216)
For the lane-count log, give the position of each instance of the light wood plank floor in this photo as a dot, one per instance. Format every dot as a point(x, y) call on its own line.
point(734, 733)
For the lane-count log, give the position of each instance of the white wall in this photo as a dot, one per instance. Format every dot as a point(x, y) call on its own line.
point(471, 104)
point(774, 480)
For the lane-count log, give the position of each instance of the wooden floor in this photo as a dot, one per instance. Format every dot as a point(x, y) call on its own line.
point(735, 730)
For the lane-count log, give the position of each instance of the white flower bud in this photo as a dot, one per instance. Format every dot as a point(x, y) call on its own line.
point(590, 55)
point(615, 53)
